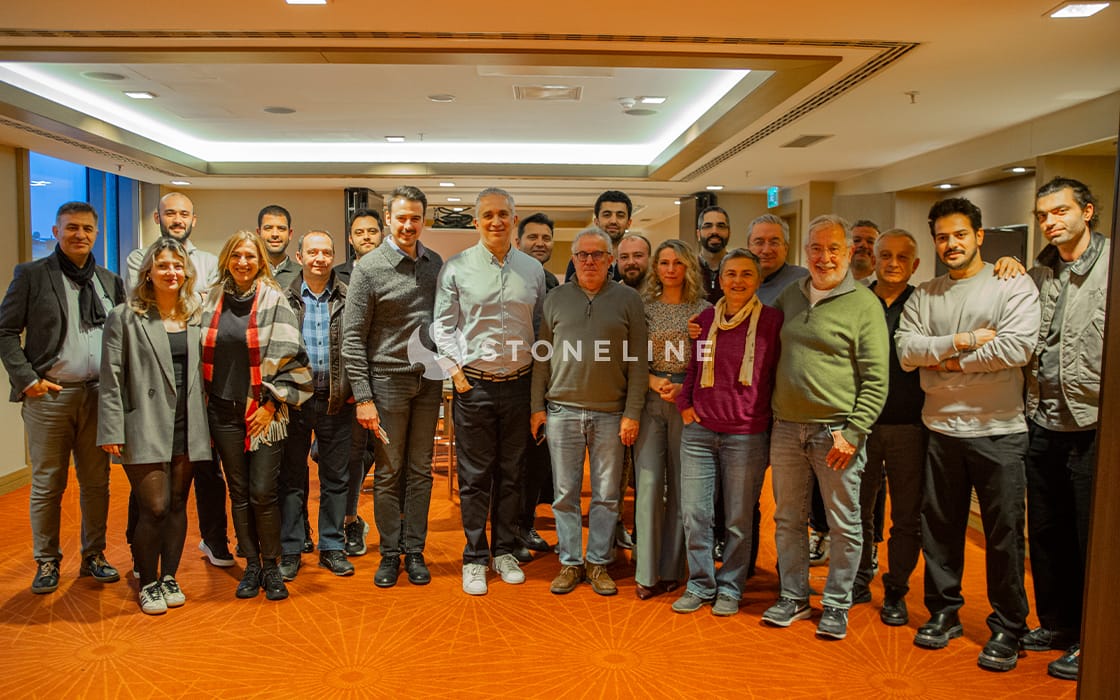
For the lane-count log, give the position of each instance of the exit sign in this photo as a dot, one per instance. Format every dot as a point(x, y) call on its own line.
point(772, 197)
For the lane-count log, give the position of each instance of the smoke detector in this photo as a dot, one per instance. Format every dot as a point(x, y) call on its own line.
point(630, 106)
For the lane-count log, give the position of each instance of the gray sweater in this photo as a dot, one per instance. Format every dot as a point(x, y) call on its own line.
point(599, 351)
point(986, 397)
point(388, 301)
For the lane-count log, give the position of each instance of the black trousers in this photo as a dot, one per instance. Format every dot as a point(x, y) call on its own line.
point(491, 434)
point(536, 481)
point(994, 467)
point(1060, 469)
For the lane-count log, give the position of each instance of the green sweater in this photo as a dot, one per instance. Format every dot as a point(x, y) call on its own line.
point(834, 363)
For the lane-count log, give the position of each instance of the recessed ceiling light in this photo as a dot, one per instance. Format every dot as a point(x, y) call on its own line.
point(1074, 10)
point(181, 183)
point(306, 2)
point(652, 100)
point(946, 186)
point(677, 202)
point(395, 139)
point(456, 208)
point(102, 75)
point(1018, 169)
point(454, 199)
point(715, 188)
point(441, 97)
point(140, 94)
point(447, 184)
point(279, 110)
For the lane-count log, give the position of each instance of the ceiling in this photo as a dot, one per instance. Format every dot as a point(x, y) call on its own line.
point(883, 81)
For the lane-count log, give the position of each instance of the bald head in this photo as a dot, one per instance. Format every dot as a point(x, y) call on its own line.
point(175, 216)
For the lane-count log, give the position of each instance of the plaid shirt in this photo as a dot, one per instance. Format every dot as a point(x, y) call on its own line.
point(317, 334)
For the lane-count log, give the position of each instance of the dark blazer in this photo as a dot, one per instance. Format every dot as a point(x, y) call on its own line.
point(36, 303)
point(136, 404)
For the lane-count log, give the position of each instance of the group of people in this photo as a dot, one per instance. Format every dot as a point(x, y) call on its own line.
point(684, 375)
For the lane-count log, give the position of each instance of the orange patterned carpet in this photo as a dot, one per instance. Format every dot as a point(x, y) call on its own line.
point(344, 638)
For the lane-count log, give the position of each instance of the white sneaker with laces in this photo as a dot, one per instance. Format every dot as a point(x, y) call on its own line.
point(819, 548)
point(172, 594)
point(151, 599)
point(506, 565)
point(474, 579)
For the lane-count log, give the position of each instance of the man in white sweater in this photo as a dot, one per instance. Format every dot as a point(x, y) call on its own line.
point(970, 333)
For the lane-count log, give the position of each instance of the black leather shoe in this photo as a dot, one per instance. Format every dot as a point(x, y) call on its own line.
point(1066, 666)
point(335, 562)
point(289, 566)
point(936, 633)
point(387, 571)
point(1001, 653)
point(46, 577)
point(860, 595)
point(418, 574)
point(894, 612)
point(250, 584)
point(1042, 639)
point(273, 583)
point(535, 542)
point(522, 554)
point(95, 565)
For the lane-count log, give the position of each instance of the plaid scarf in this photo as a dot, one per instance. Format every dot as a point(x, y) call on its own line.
point(277, 358)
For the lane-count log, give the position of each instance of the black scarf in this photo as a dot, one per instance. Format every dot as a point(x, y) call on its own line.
point(91, 311)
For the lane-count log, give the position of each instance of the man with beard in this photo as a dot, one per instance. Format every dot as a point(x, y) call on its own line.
point(864, 234)
point(768, 238)
point(633, 259)
point(713, 231)
point(274, 226)
point(365, 234)
point(613, 210)
point(176, 219)
point(970, 334)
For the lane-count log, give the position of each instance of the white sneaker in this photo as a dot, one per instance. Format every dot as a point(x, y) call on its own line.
point(819, 548)
point(172, 594)
point(151, 599)
point(474, 579)
point(506, 565)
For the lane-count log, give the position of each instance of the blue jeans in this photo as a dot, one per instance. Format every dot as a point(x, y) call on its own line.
point(797, 452)
point(572, 433)
point(738, 464)
point(659, 552)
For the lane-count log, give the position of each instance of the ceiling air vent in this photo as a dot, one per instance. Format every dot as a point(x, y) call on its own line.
point(806, 140)
point(548, 93)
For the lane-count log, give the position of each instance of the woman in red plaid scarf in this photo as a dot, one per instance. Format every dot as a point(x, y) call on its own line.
point(254, 366)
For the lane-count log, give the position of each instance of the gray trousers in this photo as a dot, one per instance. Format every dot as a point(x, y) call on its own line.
point(58, 425)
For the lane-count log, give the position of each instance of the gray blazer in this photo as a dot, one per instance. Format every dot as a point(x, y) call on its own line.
point(136, 407)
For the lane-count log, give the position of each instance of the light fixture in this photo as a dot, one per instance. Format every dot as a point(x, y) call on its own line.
point(454, 199)
point(306, 2)
point(279, 110)
point(456, 208)
point(447, 184)
point(181, 183)
point(1018, 170)
point(102, 75)
point(441, 97)
point(677, 202)
point(946, 186)
point(715, 188)
point(40, 183)
point(1076, 10)
point(652, 100)
point(395, 139)
point(140, 94)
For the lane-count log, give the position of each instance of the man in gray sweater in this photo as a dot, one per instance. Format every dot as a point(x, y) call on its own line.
point(970, 333)
point(385, 344)
point(590, 366)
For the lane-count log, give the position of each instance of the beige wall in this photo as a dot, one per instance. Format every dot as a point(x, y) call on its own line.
point(13, 451)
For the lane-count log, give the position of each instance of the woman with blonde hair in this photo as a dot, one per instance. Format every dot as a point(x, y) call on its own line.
point(151, 414)
point(673, 293)
point(254, 365)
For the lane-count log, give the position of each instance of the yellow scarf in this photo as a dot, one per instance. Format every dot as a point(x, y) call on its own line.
point(752, 308)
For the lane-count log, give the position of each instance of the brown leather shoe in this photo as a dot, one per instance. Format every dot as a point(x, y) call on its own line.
point(567, 580)
point(647, 592)
point(600, 580)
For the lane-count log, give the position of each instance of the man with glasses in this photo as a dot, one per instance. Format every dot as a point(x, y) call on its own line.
point(590, 366)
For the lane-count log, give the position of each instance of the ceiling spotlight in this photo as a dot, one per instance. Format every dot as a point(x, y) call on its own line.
point(180, 183)
point(715, 188)
point(102, 75)
point(140, 94)
point(629, 106)
point(395, 139)
point(946, 186)
point(306, 2)
point(652, 100)
point(1075, 10)
point(279, 110)
point(454, 199)
point(1018, 169)
point(447, 184)
point(677, 202)
point(441, 97)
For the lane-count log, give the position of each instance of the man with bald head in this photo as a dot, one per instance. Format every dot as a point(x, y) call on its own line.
point(176, 218)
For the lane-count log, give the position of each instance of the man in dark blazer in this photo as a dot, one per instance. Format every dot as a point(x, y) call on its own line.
point(60, 303)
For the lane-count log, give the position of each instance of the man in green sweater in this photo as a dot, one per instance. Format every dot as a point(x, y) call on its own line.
point(830, 388)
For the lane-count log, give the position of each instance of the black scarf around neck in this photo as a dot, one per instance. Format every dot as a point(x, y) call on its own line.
point(91, 311)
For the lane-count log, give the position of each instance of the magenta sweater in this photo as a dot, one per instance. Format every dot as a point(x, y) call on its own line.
point(727, 406)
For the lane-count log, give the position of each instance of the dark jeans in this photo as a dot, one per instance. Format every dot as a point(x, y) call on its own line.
point(361, 459)
point(333, 434)
point(491, 433)
point(408, 406)
point(899, 451)
point(1059, 495)
point(536, 481)
point(210, 501)
point(253, 480)
point(159, 495)
point(994, 467)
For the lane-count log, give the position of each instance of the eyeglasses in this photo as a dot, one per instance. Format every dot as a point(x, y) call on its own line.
point(597, 256)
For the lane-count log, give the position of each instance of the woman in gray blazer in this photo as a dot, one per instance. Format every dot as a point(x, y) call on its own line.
point(151, 414)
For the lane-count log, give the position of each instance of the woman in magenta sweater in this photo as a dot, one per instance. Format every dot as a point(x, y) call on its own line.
point(725, 406)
